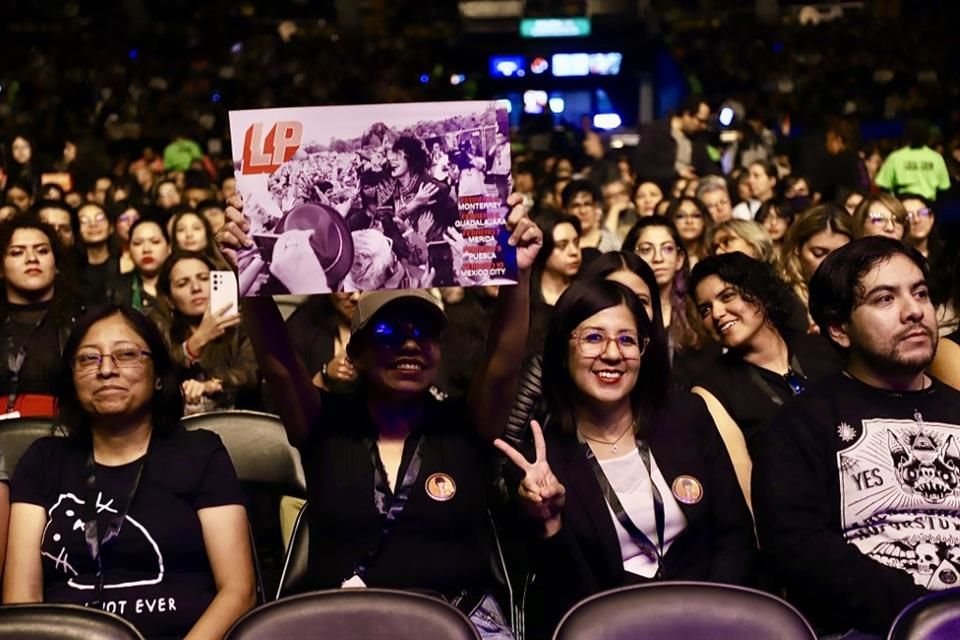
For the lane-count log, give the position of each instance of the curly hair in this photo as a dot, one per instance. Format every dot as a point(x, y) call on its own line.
point(755, 281)
point(416, 155)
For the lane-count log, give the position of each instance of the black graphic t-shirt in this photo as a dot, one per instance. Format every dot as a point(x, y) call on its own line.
point(156, 572)
point(857, 499)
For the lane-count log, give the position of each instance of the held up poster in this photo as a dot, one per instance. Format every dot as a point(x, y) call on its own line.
point(394, 196)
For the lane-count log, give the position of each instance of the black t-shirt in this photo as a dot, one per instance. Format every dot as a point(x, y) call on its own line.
point(435, 544)
point(856, 493)
point(731, 380)
point(29, 328)
point(156, 572)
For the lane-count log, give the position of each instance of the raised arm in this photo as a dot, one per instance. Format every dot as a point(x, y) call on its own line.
point(495, 386)
point(297, 400)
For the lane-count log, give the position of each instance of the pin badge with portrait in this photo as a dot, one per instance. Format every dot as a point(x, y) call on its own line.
point(687, 490)
point(440, 487)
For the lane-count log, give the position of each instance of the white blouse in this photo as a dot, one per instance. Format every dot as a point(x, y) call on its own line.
point(628, 477)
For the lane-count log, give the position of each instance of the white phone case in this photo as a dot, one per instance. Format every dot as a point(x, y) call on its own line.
point(223, 291)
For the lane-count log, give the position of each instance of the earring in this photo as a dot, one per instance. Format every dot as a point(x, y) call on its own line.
point(158, 384)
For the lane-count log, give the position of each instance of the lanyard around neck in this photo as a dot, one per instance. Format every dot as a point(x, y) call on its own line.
point(91, 533)
point(651, 550)
point(389, 508)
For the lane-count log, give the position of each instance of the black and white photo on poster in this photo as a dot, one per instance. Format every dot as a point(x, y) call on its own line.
point(373, 197)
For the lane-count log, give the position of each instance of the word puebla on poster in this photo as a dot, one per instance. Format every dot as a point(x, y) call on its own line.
point(390, 196)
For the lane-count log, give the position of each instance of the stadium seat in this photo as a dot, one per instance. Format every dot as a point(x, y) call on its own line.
point(258, 446)
point(268, 467)
point(17, 434)
point(933, 617)
point(63, 622)
point(683, 610)
point(293, 578)
point(371, 614)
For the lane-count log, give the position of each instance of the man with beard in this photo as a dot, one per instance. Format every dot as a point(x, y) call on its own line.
point(856, 485)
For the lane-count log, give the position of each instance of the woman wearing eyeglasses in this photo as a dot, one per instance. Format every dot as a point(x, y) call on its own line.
point(130, 512)
point(100, 268)
point(745, 304)
point(880, 214)
point(921, 225)
point(694, 226)
point(397, 476)
point(660, 245)
point(627, 483)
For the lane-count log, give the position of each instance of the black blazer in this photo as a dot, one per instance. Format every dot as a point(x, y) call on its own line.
point(584, 558)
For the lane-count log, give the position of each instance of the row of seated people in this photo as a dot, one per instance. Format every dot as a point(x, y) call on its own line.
point(621, 478)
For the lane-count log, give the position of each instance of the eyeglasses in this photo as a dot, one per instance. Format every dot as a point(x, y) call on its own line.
point(647, 250)
point(392, 335)
point(89, 222)
point(879, 218)
point(124, 358)
point(919, 214)
point(796, 382)
point(718, 203)
point(593, 343)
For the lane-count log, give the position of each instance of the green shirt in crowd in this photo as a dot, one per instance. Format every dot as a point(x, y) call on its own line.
point(921, 171)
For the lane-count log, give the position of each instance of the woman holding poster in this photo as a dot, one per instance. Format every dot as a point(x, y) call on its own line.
point(396, 476)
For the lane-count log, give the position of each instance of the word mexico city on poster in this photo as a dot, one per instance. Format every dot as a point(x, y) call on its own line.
point(361, 198)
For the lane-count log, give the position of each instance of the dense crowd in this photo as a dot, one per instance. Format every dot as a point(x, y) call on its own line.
point(728, 358)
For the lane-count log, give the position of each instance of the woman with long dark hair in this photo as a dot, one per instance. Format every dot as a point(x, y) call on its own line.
point(658, 242)
point(37, 312)
point(628, 484)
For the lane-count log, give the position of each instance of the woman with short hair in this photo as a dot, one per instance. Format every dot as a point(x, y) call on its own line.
point(129, 513)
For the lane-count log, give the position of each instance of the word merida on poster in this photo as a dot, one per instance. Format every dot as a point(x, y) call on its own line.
point(360, 198)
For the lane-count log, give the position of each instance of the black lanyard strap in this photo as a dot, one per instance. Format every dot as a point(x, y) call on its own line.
point(16, 356)
point(91, 533)
point(389, 508)
point(795, 369)
point(651, 550)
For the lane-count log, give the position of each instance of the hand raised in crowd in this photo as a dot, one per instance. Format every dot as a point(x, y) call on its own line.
point(455, 239)
point(542, 495)
point(212, 326)
point(424, 223)
point(234, 235)
point(194, 390)
point(296, 264)
point(525, 235)
point(339, 370)
point(426, 195)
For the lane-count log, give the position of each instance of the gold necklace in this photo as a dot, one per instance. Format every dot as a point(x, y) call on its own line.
point(615, 444)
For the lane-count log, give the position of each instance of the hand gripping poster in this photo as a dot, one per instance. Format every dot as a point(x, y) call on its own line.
point(360, 198)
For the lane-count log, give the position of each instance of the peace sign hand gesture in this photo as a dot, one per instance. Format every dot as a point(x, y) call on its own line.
point(542, 494)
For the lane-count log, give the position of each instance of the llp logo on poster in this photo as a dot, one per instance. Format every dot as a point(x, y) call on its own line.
point(265, 154)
